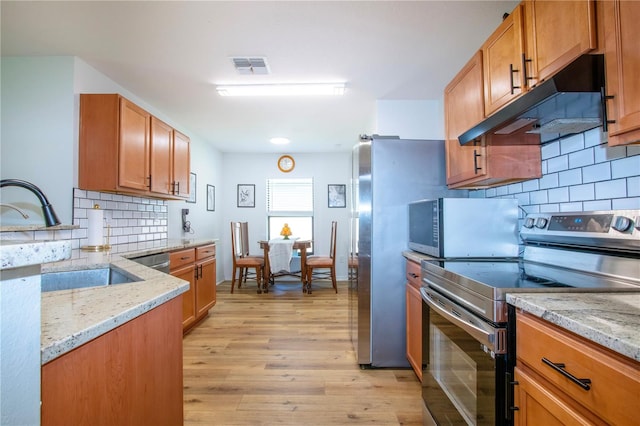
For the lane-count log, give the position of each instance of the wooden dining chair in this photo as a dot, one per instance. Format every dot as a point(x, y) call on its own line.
point(326, 263)
point(246, 273)
point(241, 261)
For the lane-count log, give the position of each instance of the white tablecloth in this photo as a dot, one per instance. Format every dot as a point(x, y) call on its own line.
point(280, 252)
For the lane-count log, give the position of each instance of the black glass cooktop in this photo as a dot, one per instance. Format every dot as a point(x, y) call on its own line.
point(498, 276)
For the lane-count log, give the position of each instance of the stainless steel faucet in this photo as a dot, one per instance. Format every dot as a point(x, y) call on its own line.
point(50, 217)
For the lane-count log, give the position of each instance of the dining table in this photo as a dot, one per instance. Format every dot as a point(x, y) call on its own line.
point(302, 246)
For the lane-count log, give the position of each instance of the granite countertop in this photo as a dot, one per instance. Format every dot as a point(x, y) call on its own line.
point(609, 319)
point(71, 318)
point(15, 254)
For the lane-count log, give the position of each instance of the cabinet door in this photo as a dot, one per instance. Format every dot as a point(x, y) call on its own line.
point(414, 329)
point(189, 297)
point(181, 164)
point(502, 62)
point(160, 159)
point(622, 59)
point(131, 375)
point(464, 108)
point(133, 146)
point(537, 405)
point(205, 286)
point(557, 32)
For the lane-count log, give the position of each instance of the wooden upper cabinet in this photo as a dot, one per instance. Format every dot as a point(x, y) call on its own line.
point(622, 61)
point(464, 108)
point(160, 163)
point(134, 146)
point(502, 60)
point(122, 148)
point(181, 164)
point(556, 33)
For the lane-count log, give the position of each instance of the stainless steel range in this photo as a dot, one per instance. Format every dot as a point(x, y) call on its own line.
point(466, 341)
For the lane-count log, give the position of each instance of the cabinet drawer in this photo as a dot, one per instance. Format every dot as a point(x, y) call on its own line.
point(614, 392)
point(182, 257)
point(205, 251)
point(413, 274)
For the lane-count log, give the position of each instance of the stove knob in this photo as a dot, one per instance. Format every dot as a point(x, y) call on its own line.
point(528, 222)
point(621, 223)
point(541, 222)
point(637, 222)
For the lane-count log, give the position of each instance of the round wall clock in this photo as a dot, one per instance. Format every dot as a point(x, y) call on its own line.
point(286, 163)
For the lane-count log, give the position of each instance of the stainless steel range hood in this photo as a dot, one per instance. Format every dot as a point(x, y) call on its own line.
point(569, 102)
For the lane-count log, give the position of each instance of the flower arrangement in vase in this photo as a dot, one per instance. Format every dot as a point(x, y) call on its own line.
point(286, 231)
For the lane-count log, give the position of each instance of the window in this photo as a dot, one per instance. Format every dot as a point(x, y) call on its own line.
point(290, 201)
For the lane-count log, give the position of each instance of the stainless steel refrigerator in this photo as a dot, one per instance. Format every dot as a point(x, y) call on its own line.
point(388, 173)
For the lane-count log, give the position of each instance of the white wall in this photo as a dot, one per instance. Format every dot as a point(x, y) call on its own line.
point(410, 119)
point(255, 169)
point(37, 135)
point(40, 98)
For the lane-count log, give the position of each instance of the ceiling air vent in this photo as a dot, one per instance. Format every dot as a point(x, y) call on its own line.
point(251, 65)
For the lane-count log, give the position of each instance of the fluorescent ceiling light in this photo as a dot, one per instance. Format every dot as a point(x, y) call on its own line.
point(279, 141)
point(299, 89)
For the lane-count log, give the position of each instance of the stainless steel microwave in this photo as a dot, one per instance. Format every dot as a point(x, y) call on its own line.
point(464, 227)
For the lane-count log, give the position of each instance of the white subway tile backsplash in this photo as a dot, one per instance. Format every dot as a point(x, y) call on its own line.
point(597, 205)
point(557, 164)
point(592, 137)
point(514, 188)
point(582, 192)
point(550, 150)
point(625, 167)
point(572, 144)
point(581, 158)
point(570, 177)
point(558, 195)
point(130, 218)
point(538, 197)
point(527, 186)
point(549, 181)
point(633, 150)
point(633, 186)
point(611, 189)
point(571, 207)
point(523, 199)
point(597, 172)
point(626, 203)
point(502, 191)
point(549, 208)
point(605, 153)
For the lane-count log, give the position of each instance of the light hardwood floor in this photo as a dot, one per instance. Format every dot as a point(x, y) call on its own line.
point(286, 358)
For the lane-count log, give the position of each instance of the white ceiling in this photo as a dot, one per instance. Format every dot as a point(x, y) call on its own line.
point(172, 53)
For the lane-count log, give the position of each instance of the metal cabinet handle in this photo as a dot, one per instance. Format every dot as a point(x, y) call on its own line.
point(412, 275)
point(524, 70)
point(560, 368)
point(176, 185)
point(476, 169)
point(149, 179)
point(511, 71)
point(605, 119)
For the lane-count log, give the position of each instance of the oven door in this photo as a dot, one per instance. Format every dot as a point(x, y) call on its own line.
point(464, 383)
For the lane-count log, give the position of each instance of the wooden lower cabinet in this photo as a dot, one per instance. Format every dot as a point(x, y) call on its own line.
point(414, 318)
point(131, 375)
point(198, 266)
point(545, 395)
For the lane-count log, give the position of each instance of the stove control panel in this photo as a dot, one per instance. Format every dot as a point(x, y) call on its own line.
point(613, 229)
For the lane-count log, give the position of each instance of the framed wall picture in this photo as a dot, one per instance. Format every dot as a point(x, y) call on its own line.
point(211, 198)
point(246, 195)
point(192, 188)
point(337, 196)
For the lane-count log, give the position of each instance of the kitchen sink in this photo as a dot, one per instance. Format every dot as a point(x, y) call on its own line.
point(68, 280)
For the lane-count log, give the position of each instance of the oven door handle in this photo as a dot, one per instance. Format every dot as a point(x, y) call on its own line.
point(483, 336)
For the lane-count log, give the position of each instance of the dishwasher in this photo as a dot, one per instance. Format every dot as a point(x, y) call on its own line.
point(158, 261)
